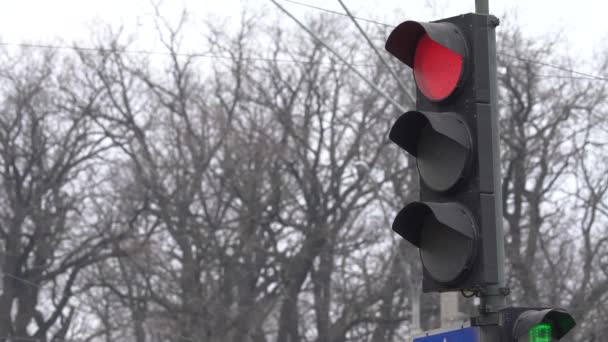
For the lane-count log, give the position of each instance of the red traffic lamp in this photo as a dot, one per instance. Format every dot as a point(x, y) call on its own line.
point(437, 69)
point(436, 52)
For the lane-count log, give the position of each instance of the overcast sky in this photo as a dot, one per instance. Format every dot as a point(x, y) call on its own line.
point(45, 21)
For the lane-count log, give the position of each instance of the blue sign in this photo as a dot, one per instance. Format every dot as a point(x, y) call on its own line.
point(470, 334)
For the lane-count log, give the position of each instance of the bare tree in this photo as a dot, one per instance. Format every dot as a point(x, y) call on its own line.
point(552, 130)
point(250, 197)
point(334, 138)
point(48, 232)
point(252, 194)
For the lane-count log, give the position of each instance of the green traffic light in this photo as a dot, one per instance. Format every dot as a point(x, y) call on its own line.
point(540, 333)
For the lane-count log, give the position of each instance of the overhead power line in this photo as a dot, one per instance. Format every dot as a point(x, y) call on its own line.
point(278, 60)
point(340, 13)
point(23, 280)
point(586, 75)
point(369, 42)
point(554, 66)
point(339, 57)
point(291, 61)
point(215, 56)
point(192, 55)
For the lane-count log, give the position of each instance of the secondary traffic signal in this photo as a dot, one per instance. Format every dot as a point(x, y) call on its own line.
point(452, 133)
point(535, 324)
point(514, 325)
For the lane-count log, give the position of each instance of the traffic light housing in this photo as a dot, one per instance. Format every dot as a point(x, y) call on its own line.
point(452, 133)
point(534, 324)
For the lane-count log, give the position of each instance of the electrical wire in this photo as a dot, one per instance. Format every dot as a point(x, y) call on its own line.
point(386, 65)
point(292, 61)
point(583, 75)
point(20, 279)
point(340, 13)
point(339, 57)
point(554, 66)
point(26, 338)
point(146, 52)
point(588, 76)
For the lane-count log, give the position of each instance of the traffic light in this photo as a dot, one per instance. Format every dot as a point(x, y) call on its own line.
point(534, 324)
point(452, 133)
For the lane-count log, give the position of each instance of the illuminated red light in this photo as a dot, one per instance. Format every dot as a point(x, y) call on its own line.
point(437, 69)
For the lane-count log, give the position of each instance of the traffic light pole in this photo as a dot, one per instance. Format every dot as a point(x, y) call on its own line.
point(493, 297)
point(482, 7)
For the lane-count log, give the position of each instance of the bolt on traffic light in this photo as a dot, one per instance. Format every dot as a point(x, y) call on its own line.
point(452, 133)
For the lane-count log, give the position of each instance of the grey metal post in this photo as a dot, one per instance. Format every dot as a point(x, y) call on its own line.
point(482, 7)
point(493, 297)
point(450, 312)
point(415, 295)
